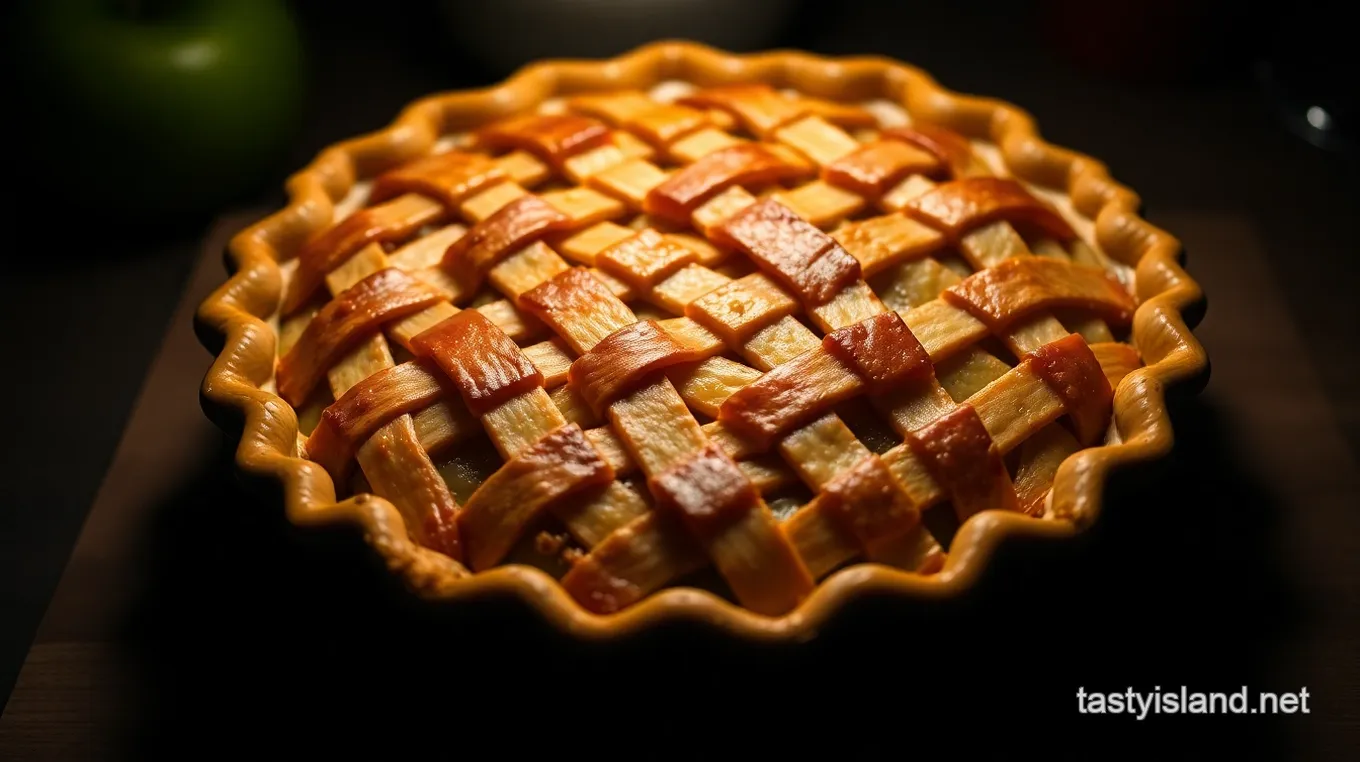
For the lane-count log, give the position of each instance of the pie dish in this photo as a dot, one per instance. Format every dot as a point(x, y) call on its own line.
point(693, 334)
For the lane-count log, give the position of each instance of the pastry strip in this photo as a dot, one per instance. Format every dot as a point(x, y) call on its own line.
point(393, 462)
point(357, 312)
point(659, 432)
point(392, 221)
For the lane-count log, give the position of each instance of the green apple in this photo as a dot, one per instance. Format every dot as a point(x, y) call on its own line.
point(159, 107)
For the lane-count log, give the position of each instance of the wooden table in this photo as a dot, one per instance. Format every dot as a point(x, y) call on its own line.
point(187, 615)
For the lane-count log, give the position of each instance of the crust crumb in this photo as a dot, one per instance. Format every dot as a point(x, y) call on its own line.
point(547, 543)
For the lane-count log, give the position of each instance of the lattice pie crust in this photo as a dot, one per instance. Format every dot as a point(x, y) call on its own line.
point(687, 332)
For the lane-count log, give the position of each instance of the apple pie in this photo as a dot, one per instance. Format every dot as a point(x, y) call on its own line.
point(695, 332)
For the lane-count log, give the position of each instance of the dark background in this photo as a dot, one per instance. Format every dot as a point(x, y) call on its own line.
point(292, 633)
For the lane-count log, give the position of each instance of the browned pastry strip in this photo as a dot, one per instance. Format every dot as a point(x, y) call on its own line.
point(624, 358)
point(394, 463)
point(879, 352)
point(580, 308)
point(380, 298)
point(793, 252)
point(486, 366)
point(747, 163)
point(1071, 370)
point(559, 464)
point(367, 407)
point(948, 147)
point(758, 107)
point(958, 206)
point(554, 138)
point(1017, 288)
point(660, 433)
point(960, 454)
point(633, 561)
point(665, 123)
point(392, 221)
point(873, 168)
point(451, 177)
point(613, 107)
point(789, 396)
point(514, 225)
point(711, 495)
point(869, 502)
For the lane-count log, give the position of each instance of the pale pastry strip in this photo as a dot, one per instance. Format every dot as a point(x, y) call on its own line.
point(659, 432)
point(707, 384)
point(396, 466)
point(836, 449)
point(992, 245)
point(713, 392)
point(512, 426)
point(520, 422)
point(1012, 408)
point(853, 303)
point(835, 454)
point(765, 473)
point(984, 247)
point(514, 275)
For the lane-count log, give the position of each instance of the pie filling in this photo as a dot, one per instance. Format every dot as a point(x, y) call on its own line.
point(734, 336)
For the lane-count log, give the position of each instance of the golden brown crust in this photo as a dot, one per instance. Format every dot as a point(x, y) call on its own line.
point(882, 350)
point(382, 297)
point(553, 138)
point(790, 250)
point(960, 454)
point(517, 223)
point(679, 194)
point(366, 407)
point(757, 106)
point(236, 391)
point(1003, 295)
point(1071, 370)
point(948, 147)
point(873, 168)
point(958, 206)
point(623, 359)
point(560, 463)
point(450, 177)
point(486, 366)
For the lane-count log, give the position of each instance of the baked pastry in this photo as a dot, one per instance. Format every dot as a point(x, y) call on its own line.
point(673, 333)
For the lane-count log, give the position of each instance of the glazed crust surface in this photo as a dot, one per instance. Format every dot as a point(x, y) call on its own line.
point(239, 391)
